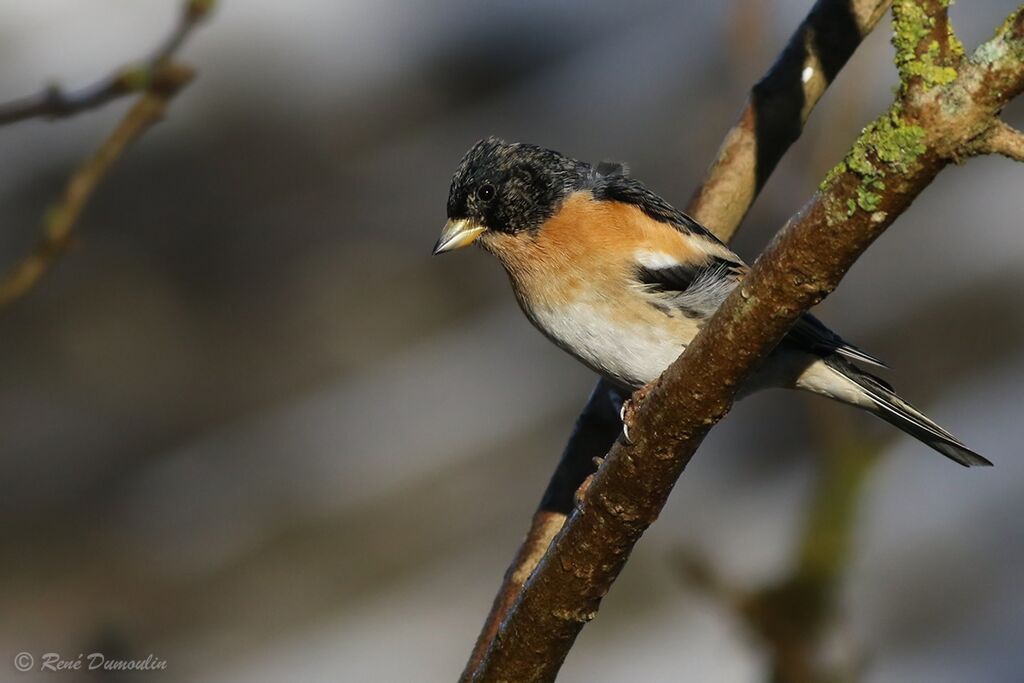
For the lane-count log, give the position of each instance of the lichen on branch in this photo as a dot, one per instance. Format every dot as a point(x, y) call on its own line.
point(887, 149)
point(925, 43)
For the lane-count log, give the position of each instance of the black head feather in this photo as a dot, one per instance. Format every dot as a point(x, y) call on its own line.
point(511, 187)
point(609, 168)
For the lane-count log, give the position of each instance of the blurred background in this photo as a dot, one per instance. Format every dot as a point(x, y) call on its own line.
point(227, 413)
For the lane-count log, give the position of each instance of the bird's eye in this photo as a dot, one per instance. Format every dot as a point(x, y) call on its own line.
point(485, 192)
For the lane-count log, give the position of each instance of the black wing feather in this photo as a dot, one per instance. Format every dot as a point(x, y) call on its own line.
point(695, 289)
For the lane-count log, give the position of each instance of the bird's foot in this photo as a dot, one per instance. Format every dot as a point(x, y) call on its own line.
point(628, 410)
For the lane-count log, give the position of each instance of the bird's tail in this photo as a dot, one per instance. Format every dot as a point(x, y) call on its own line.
point(876, 396)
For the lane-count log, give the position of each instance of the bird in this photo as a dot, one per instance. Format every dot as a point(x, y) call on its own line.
point(617, 277)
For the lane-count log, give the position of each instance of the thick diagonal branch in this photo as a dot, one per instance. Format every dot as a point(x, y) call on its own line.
point(823, 43)
point(890, 164)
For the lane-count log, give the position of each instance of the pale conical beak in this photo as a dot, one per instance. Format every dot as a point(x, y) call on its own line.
point(457, 234)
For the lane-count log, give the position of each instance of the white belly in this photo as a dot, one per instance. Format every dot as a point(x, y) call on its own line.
point(631, 355)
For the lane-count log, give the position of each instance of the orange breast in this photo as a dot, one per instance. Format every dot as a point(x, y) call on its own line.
point(575, 278)
point(588, 246)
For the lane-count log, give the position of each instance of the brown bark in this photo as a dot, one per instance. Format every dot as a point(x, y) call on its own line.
point(1002, 139)
point(936, 118)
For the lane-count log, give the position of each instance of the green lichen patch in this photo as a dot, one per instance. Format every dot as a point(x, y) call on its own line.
point(889, 146)
point(868, 200)
point(1008, 42)
point(890, 140)
point(928, 70)
point(911, 27)
point(831, 176)
point(989, 52)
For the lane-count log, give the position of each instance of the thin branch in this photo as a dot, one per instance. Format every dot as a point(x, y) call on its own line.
point(823, 42)
point(1002, 139)
point(55, 103)
point(927, 50)
point(778, 108)
point(596, 429)
point(893, 160)
point(60, 219)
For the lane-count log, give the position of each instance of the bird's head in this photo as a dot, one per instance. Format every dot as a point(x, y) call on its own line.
point(507, 188)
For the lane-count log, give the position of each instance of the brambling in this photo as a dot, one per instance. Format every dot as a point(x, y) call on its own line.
point(614, 275)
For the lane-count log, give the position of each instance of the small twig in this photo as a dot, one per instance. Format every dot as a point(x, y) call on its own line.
point(60, 220)
point(54, 102)
point(158, 78)
point(1001, 139)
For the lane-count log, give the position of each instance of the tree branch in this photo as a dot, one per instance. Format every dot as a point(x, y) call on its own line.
point(1003, 139)
point(894, 159)
point(778, 108)
point(60, 219)
point(823, 42)
point(55, 103)
point(159, 78)
point(596, 429)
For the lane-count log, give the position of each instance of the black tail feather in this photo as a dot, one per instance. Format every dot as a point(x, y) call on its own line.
point(897, 412)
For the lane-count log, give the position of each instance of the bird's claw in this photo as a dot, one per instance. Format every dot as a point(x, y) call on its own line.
point(628, 410)
point(625, 423)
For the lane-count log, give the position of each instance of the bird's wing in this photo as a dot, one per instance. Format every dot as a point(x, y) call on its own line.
point(697, 289)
